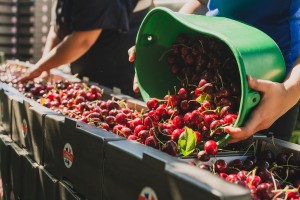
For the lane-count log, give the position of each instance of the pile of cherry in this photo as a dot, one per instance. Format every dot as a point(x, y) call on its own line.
point(181, 123)
point(10, 72)
point(267, 176)
point(188, 120)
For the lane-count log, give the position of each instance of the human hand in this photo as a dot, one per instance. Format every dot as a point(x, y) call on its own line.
point(29, 75)
point(131, 54)
point(270, 108)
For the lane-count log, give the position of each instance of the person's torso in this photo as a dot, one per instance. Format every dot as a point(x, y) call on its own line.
point(107, 15)
point(280, 19)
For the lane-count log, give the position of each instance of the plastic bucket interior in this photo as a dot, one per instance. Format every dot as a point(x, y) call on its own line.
point(255, 52)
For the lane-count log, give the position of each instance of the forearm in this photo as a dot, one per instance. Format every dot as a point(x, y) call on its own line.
point(51, 42)
point(292, 83)
point(190, 7)
point(69, 50)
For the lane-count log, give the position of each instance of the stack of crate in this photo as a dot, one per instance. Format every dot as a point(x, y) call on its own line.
point(24, 27)
point(8, 27)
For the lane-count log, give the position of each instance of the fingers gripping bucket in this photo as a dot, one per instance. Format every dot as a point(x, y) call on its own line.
point(255, 52)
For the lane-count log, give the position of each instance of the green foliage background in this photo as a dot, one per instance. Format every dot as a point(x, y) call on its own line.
point(296, 134)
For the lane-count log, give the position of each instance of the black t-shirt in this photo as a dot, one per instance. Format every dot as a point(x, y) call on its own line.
point(78, 15)
point(106, 62)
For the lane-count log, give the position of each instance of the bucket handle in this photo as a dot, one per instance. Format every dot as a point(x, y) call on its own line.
point(254, 98)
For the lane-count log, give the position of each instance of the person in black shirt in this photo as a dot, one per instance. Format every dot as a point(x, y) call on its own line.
point(94, 36)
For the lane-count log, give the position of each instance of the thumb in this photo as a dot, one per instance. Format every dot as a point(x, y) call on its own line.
point(258, 84)
point(237, 133)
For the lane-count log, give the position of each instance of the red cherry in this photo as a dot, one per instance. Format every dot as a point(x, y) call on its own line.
point(223, 175)
point(215, 126)
point(178, 121)
point(142, 135)
point(151, 141)
point(132, 137)
point(125, 131)
point(221, 166)
point(173, 100)
point(253, 180)
point(110, 119)
point(121, 118)
point(112, 105)
point(198, 136)
point(232, 178)
point(211, 147)
point(182, 93)
point(230, 118)
point(170, 147)
point(210, 117)
point(135, 122)
point(79, 99)
point(203, 156)
point(138, 128)
point(90, 96)
point(176, 134)
point(117, 128)
point(152, 103)
point(104, 126)
point(202, 82)
point(242, 175)
point(161, 110)
point(95, 89)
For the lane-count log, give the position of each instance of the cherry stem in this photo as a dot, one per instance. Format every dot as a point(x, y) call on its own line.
point(122, 104)
point(208, 110)
point(159, 141)
point(172, 115)
point(201, 45)
point(225, 62)
point(213, 132)
point(163, 133)
point(253, 172)
point(291, 155)
point(248, 148)
point(221, 79)
point(183, 45)
point(283, 180)
point(175, 89)
point(164, 54)
point(119, 131)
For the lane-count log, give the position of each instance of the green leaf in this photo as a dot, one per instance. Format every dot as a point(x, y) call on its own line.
point(187, 142)
point(202, 98)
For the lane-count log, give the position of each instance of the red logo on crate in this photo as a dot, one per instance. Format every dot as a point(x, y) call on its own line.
point(24, 128)
point(68, 155)
point(147, 194)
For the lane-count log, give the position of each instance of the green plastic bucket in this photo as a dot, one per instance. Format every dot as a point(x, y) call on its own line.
point(255, 52)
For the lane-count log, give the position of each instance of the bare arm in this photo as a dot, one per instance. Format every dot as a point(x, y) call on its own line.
point(69, 50)
point(190, 7)
point(271, 106)
point(51, 42)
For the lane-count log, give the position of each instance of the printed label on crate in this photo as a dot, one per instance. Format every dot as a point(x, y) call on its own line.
point(147, 194)
point(68, 155)
point(24, 128)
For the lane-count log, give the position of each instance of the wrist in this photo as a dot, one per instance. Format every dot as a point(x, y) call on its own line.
point(292, 83)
